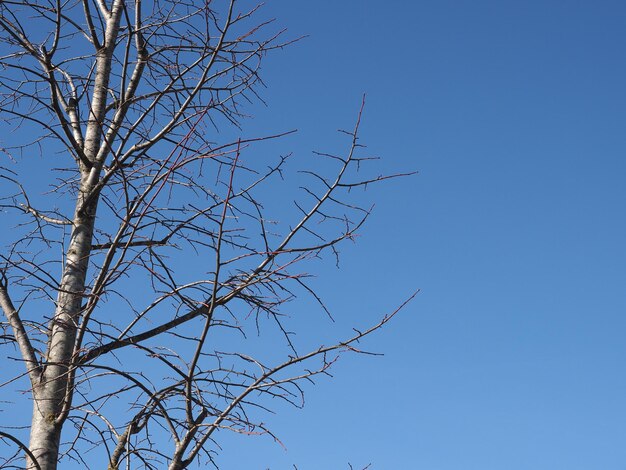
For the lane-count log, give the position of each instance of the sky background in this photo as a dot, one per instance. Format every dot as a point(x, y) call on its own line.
point(513, 113)
point(512, 356)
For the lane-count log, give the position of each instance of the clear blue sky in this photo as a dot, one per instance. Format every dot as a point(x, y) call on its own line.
point(512, 356)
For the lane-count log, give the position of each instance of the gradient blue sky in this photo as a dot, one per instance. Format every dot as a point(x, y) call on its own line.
point(512, 356)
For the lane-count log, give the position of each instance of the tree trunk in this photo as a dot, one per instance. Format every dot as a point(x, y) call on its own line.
point(52, 396)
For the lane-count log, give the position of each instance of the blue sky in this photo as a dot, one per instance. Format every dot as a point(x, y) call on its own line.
point(513, 112)
point(512, 355)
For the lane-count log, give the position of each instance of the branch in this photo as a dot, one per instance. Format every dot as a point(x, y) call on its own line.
point(28, 209)
point(19, 332)
point(259, 383)
point(22, 446)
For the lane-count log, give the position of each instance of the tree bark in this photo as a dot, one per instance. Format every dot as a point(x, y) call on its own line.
point(53, 394)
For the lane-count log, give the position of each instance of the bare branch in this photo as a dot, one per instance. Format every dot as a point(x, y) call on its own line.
point(163, 251)
point(19, 331)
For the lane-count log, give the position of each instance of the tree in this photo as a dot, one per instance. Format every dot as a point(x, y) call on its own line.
point(129, 348)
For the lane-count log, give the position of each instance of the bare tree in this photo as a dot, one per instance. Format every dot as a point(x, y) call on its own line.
point(145, 289)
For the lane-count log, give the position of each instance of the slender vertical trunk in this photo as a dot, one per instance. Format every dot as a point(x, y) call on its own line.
point(52, 395)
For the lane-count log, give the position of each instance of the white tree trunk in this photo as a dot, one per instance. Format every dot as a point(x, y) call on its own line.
point(53, 394)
